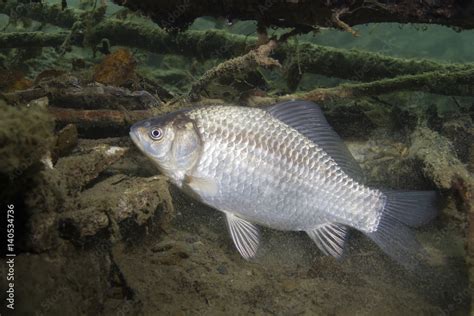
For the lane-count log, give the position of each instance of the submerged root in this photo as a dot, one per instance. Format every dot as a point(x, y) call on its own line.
point(336, 18)
point(258, 57)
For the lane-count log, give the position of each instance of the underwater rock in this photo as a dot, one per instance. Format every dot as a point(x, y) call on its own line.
point(48, 193)
point(46, 198)
point(81, 224)
point(80, 169)
point(49, 289)
point(55, 189)
point(116, 206)
point(26, 135)
point(66, 140)
point(42, 232)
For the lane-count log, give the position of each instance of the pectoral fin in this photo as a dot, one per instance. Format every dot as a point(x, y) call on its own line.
point(201, 186)
point(244, 234)
point(330, 238)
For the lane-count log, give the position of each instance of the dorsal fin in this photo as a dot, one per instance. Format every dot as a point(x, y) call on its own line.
point(307, 118)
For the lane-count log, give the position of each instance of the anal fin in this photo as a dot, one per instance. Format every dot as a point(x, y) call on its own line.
point(244, 234)
point(330, 238)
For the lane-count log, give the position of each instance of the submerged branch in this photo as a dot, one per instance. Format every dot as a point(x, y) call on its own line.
point(440, 163)
point(43, 12)
point(308, 13)
point(248, 62)
point(356, 65)
point(92, 96)
point(31, 39)
point(340, 63)
point(98, 118)
point(459, 83)
point(115, 121)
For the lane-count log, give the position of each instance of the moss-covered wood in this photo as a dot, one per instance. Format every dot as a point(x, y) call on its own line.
point(340, 63)
point(459, 83)
point(32, 39)
point(344, 64)
point(308, 14)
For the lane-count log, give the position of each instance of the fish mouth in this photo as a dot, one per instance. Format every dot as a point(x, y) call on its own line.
point(135, 136)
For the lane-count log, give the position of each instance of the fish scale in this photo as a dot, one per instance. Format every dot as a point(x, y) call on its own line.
point(312, 195)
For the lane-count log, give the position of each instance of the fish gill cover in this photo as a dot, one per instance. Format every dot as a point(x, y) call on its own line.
point(89, 216)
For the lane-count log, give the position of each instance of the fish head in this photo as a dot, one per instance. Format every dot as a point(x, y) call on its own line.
point(171, 141)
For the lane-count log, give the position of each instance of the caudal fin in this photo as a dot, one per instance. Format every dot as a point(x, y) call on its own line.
point(393, 235)
point(412, 208)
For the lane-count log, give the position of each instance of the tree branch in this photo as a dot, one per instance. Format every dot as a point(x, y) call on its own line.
point(92, 96)
point(32, 39)
point(459, 83)
point(251, 60)
point(180, 14)
point(345, 64)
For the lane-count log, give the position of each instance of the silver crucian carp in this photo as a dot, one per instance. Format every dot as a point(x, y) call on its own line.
point(282, 167)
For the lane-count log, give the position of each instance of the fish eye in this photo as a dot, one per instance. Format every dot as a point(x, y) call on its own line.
point(156, 134)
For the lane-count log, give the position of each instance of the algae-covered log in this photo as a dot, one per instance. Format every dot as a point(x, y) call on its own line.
point(91, 96)
point(340, 63)
point(42, 12)
point(444, 83)
point(354, 64)
point(307, 14)
point(302, 14)
point(350, 120)
point(440, 161)
point(332, 62)
point(459, 83)
point(32, 39)
point(99, 123)
point(441, 165)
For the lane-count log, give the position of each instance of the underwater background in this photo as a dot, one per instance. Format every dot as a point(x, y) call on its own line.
point(97, 229)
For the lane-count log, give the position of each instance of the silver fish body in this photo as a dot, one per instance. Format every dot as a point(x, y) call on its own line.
point(269, 173)
point(282, 167)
